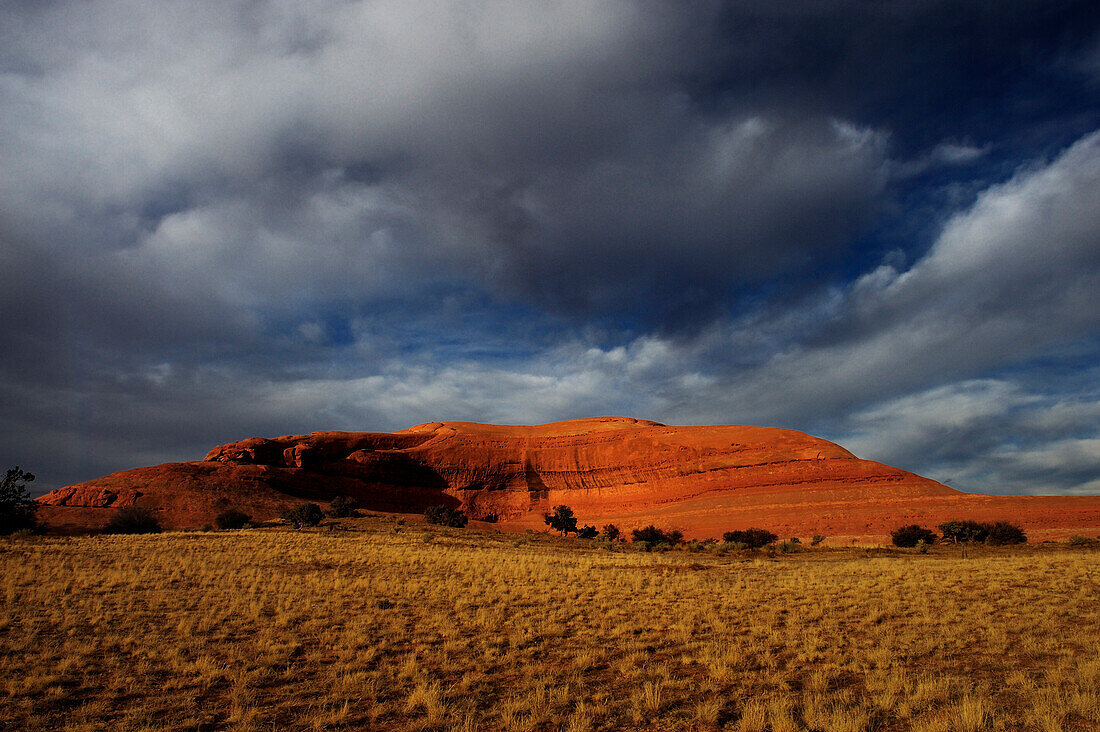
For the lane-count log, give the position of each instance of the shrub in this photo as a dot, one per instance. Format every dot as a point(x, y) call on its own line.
point(611, 532)
point(562, 520)
point(961, 532)
point(791, 546)
point(1078, 540)
point(653, 536)
point(818, 538)
point(908, 536)
point(751, 538)
point(232, 519)
point(304, 514)
point(1002, 532)
point(17, 509)
point(343, 507)
point(133, 520)
point(446, 516)
point(588, 532)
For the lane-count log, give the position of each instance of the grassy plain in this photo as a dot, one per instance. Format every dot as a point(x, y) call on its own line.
point(393, 627)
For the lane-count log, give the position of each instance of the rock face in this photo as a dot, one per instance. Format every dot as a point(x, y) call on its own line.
point(703, 480)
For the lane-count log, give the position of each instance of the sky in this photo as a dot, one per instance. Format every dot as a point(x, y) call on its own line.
point(876, 222)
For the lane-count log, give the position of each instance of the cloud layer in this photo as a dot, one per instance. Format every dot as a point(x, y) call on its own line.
point(221, 220)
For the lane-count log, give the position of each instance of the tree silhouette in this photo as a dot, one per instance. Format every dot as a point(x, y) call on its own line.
point(561, 520)
point(17, 509)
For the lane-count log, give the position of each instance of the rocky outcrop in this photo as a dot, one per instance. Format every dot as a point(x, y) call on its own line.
point(704, 480)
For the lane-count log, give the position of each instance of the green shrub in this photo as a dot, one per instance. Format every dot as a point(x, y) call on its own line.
point(446, 516)
point(133, 520)
point(751, 538)
point(232, 519)
point(343, 507)
point(562, 520)
point(611, 532)
point(818, 538)
point(17, 509)
point(1000, 533)
point(304, 514)
point(909, 536)
point(1078, 540)
point(791, 546)
point(653, 536)
point(961, 532)
point(996, 533)
point(588, 532)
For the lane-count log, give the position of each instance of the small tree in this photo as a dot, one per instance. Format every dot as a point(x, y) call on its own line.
point(562, 520)
point(445, 516)
point(133, 520)
point(1002, 532)
point(587, 532)
point(909, 536)
point(611, 532)
point(343, 507)
point(751, 538)
point(17, 509)
point(961, 532)
point(304, 514)
point(232, 519)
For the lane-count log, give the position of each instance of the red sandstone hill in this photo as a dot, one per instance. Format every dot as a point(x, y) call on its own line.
point(702, 480)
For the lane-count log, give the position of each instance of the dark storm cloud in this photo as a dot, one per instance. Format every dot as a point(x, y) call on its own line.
point(928, 71)
point(228, 219)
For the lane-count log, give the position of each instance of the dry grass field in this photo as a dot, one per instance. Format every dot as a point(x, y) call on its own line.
point(393, 627)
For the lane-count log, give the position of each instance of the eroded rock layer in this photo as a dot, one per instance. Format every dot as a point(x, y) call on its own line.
point(703, 480)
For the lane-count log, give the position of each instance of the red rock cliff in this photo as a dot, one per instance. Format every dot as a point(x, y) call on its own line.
point(703, 480)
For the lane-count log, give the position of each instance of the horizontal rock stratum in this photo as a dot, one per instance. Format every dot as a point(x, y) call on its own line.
point(632, 472)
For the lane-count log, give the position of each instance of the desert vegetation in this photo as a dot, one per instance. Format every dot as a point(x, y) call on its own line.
point(17, 510)
point(372, 623)
point(995, 533)
point(446, 516)
point(133, 520)
point(305, 514)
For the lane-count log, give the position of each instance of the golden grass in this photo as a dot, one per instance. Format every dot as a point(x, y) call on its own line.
point(379, 628)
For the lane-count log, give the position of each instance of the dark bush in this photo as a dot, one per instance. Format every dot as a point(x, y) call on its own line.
point(588, 532)
point(232, 519)
point(818, 538)
point(133, 520)
point(961, 532)
point(562, 520)
point(653, 536)
point(611, 532)
point(304, 514)
point(751, 538)
point(909, 536)
point(1003, 532)
point(446, 516)
point(343, 507)
point(17, 509)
